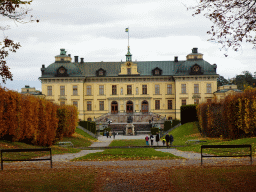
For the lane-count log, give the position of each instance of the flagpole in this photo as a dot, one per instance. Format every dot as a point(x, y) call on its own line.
point(128, 36)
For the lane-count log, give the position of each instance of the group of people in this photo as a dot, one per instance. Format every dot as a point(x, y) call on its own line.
point(109, 134)
point(168, 138)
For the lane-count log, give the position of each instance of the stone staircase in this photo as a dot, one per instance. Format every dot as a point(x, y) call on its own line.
point(141, 121)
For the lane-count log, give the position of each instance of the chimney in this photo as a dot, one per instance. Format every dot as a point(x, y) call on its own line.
point(194, 50)
point(82, 60)
point(176, 59)
point(76, 59)
point(43, 69)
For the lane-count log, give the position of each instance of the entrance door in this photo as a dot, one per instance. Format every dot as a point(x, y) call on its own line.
point(129, 107)
point(114, 107)
point(144, 107)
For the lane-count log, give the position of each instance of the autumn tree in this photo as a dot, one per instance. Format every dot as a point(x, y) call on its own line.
point(222, 81)
point(17, 11)
point(244, 80)
point(234, 21)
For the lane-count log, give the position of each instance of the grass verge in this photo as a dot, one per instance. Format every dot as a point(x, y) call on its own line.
point(132, 142)
point(127, 154)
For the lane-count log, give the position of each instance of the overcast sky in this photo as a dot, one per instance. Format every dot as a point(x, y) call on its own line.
point(95, 30)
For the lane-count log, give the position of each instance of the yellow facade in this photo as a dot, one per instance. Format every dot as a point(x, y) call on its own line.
point(129, 87)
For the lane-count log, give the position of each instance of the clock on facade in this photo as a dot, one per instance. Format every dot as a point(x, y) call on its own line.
point(61, 70)
point(196, 68)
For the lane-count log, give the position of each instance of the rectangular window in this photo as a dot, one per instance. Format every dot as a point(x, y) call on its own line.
point(129, 89)
point(209, 88)
point(169, 89)
point(62, 90)
point(75, 90)
point(62, 103)
point(157, 104)
point(183, 88)
point(196, 88)
point(89, 105)
point(101, 90)
point(49, 90)
point(144, 89)
point(101, 105)
point(89, 90)
point(196, 101)
point(75, 103)
point(114, 90)
point(169, 104)
point(183, 102)
point(157, 89)
point(129, 71)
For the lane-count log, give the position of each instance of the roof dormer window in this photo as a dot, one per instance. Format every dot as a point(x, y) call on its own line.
point(100, 72)
point(157, 71)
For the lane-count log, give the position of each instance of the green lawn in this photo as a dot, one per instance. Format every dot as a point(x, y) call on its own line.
point(127, 154)
point(190, 131)
point(132, 142)
point(81, 132)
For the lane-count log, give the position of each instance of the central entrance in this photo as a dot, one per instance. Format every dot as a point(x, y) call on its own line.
point(144, 107)
point(114, 107)
point(129, 107)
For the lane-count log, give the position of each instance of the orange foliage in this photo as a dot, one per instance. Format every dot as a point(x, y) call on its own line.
point(34, 120)
point(233, 118)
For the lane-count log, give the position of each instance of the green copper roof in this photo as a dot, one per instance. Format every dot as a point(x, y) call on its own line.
point(112, 69)
point(72, 70)
point(169, 68)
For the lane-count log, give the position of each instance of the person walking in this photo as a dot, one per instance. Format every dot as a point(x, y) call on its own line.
point(147, 138)
point(110, 134)
point(107, 134)
point(167, 139)
point(157, 138)
point(152, 139)
point(171, 139)
point(114, 134)
point(164, 141)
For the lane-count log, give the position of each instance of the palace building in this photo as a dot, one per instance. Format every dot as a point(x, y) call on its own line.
point(108, 89)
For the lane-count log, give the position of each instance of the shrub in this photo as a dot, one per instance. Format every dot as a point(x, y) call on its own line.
point(90, 126)
point(33, 120)
point(154, 130)
point(188, 114)
point(169, 124)
point(233, 118)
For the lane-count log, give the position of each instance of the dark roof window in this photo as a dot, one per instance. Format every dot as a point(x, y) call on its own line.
point(101, 72)
point(157, 71)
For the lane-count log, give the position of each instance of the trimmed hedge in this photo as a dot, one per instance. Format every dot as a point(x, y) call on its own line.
point(33, 120)
point(233, 118)
point(89, 125)
point(154, 130)
point(188, 113)
point(168, 124)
